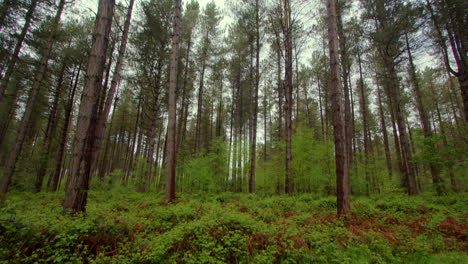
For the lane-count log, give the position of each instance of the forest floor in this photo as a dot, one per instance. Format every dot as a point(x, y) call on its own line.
point(127, 227)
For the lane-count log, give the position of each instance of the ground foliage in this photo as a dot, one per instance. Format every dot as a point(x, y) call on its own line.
point(122, 226)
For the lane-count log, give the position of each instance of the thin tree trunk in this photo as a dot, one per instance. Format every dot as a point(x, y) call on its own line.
point(171, 121)
point(426, 126)
point(280, 93)
point(364, 111)
point(346, 90)
point(105, 160)
point(104, 113)
point(50, 132)
point(322, 121)
point(184, 109)
point(342, 169)
point(287, 32)
point(399, 114)
point(253, 153)
point(131, 161)
point(64, 135)
point(453, 182)
point(200, 101)
point(383, 126)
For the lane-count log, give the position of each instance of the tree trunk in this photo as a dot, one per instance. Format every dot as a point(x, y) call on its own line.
point(453, 183)
point(253, 153)
point(38, 77)
point(64, 136)
point(346, 90)
point(287, 32)
point(105, 159)
point(322, 121)
point(383, 126)
point(200, 101)
point(364, 111)
point(131, 161)
point(80, 172)
point(426, 125)
point(400, 120)
point(280, 92)
point(171, 121)
point(342, 169)
point(104, 114)
point(19, 44)
point(184, 108)
point(50, 132)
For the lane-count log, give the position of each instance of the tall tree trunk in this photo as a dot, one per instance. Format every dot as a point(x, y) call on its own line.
point(184, 108)
point(104, 113)
point(171, 121)
point(152, 129)
point(346, 90)
point(200, 99)
point(38, 77)
point(19, 44)
point(105, 157)
point(103, 96)
point(453, 182)
point(322, 121)
point(253, 153)
point(80, 172)
point(400, 120)
point(131, 161)
point(50, 131)
point(364, 111)
point(280, 92)
point(342, 169)
point(54, 178)
point(287, 32)
point(426, 125)
point(383, 126)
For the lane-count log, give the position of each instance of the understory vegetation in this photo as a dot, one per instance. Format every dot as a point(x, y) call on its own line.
point(121, 226)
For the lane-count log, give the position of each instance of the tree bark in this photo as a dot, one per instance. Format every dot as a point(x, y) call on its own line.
point(426, 125)
point(383, 126)
point(104, 113)
point(80, 172)
point(287, 33)
point(184, 108)
point(280, 92)
point(50, 131)
point(342, 169)
point(364, 111)
point(64, 135)
point(171, 121)
point(346, 90)
point(253, 153)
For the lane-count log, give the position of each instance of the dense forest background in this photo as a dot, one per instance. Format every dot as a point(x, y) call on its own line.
point(403, 68)
point(331, 98)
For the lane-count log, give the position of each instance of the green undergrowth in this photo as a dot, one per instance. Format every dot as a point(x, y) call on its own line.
point(128, 227)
